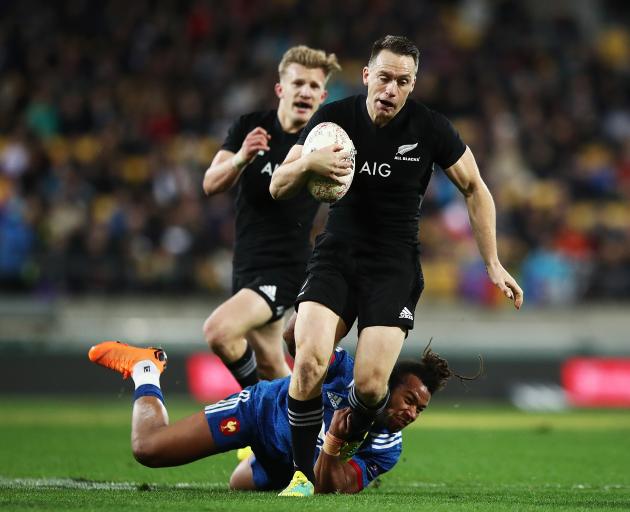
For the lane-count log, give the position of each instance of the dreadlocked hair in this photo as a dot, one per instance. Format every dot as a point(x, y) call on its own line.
point(432, 370)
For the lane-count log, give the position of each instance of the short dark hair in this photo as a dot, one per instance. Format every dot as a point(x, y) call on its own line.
point(432, 370)
point(400, 45)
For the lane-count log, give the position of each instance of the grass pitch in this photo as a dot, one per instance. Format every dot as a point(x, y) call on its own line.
point(58, 454)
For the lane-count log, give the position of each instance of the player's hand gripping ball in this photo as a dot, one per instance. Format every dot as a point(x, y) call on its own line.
point(322, 188)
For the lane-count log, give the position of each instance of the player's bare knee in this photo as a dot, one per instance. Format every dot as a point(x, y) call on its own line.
point(208, 331)
point(215, 334)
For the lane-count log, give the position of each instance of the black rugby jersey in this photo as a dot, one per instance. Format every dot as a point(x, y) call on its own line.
point(393, 166)
point(269, 233)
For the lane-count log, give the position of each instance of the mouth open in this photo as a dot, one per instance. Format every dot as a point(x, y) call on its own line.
point(302, 105)
point(385, 104)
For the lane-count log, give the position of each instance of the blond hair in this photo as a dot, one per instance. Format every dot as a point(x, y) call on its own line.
point(309, 58)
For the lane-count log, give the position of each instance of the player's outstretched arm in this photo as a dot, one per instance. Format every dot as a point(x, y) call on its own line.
point(226, 167)
point(290, 177)
point(332, 473)
point(481, 211)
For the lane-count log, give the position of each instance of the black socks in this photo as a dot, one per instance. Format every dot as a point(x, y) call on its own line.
point(305, 419)
point(245, 369)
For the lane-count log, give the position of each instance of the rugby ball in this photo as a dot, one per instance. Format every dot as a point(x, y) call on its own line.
point(322, 188)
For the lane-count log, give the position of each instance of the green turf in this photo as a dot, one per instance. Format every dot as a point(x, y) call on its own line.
point(74, 455)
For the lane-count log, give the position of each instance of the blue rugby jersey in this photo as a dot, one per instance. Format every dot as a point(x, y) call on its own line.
point(378, 454)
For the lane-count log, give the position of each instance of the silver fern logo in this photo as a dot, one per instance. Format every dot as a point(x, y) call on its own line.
point(406, 148)
point(403, 150)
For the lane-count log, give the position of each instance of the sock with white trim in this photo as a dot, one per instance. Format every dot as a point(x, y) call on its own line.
point(363, 415)
point(305, 419)
point(244, 369)
point(146, 378)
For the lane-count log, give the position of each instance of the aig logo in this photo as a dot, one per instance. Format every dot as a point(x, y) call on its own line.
point(267, 169)
point(382, 170)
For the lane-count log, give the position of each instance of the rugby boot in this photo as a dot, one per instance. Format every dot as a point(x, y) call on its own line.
point(121, 357)
point(300, 486)
point(349, 448)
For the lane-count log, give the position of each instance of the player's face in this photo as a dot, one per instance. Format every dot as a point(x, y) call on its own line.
point(389, 79)
point(408, 400)
point(301, 92)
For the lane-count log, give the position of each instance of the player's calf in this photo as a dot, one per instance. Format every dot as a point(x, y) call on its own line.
point(370, 389)
point(144, 365)
point(274, 367)
point(221, 338)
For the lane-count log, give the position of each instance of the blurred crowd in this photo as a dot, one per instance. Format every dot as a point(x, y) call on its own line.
point(111, 111)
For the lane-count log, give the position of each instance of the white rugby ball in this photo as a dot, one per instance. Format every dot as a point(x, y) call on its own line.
point(325, 134)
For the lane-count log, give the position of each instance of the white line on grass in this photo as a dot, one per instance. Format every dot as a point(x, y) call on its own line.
point(71, 483)
point(514, 485)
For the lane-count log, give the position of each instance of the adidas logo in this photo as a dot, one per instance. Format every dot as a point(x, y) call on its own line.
point(405, 313)
point(269, 290)
point(406, 148)
point(334, 398)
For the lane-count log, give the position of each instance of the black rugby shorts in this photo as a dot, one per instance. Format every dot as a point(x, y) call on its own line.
point(381, 285)
point(278, 286)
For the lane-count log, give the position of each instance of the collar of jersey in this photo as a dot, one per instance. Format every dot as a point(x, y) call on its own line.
point(278, 127)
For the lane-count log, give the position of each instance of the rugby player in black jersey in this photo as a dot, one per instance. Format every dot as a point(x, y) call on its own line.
point(368, 253)
point(272, 238)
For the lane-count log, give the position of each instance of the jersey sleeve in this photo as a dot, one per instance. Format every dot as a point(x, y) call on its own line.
point(236, 135)
point(377, 455)
point(449, 145)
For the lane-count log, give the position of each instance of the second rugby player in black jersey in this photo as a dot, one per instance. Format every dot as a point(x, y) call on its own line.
point(368, 254)
point(272, 238)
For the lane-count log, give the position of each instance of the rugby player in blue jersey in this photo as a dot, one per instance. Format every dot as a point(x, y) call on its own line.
point(257, 416)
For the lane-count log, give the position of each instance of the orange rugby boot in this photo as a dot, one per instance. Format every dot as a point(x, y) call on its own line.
point(122, 357)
